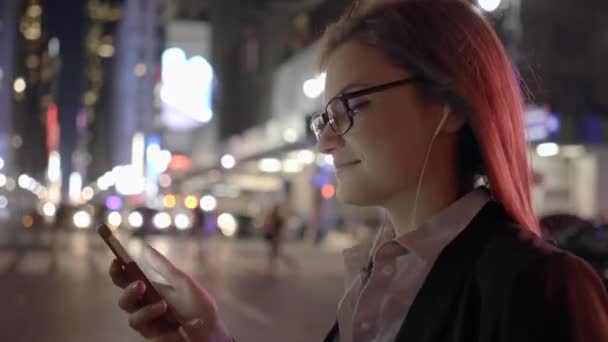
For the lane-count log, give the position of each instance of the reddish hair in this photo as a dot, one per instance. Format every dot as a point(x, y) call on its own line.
point(450, 44)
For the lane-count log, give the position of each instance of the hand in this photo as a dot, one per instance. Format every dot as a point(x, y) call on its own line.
point(190, 302)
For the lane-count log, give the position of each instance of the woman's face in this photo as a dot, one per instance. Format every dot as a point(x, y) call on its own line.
point(379, 159)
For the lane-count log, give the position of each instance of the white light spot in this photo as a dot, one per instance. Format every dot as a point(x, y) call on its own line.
point(228, 161)
point(208, 203)
point(24, 181)
point(547, 150)
point(314, 87)
point(162, 220)
point(82, 219)
point(182, 221)
point(114, 219)
point(227, 224)
point(269, 165)
point(135, 219)
point(49, 209)
point(306, 157)
point(19, 85)
point(489, 5)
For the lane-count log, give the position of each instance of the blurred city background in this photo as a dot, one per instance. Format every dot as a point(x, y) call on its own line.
point(182, 123)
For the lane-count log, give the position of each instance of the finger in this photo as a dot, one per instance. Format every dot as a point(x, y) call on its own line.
point(118, 275)
point(143, 320)
point(132, 295)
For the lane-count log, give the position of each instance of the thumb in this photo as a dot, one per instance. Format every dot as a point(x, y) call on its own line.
point(193, 331)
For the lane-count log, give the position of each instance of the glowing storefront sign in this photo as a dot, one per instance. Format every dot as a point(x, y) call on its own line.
point(541, 123)
point(186, 90)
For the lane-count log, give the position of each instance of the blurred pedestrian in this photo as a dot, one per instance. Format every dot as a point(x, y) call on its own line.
point(274, 231)
point(198, 221)
point(423, 102)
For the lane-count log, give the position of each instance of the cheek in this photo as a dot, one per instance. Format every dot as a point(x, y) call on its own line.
point(387, 169)
point(391, 145)
point(393, 151)
point(392, 163)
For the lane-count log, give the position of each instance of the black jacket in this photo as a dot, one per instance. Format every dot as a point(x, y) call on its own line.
point(497, 282)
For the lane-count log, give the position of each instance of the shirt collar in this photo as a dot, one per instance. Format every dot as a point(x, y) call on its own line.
point(431, 237)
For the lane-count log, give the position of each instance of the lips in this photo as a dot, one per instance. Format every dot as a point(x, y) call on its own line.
point(343, 165)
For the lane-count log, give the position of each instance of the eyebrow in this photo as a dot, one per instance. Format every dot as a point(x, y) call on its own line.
point(350, 86)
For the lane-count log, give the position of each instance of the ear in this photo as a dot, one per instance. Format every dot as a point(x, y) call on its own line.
point(454, 122)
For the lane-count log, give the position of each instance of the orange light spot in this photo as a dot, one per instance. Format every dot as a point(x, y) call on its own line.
point(28, 221)
point(328, 191)
point(169, 201)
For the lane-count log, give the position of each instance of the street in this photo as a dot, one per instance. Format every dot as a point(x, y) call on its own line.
point(55, 287)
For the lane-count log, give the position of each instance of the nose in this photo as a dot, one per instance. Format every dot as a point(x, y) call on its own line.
point(329, 140)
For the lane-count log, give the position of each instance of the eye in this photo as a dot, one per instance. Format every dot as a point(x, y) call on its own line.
point(358, 105)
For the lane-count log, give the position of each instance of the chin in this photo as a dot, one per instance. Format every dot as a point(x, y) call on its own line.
point(357, 195)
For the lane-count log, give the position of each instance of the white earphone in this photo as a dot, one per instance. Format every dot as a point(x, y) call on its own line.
point(446, 113)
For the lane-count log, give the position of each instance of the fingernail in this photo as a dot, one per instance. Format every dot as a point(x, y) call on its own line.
point(138, 286)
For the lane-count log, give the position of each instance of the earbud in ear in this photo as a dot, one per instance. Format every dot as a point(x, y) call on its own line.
point(444, 118)
point(456, 120)
point(447, 109)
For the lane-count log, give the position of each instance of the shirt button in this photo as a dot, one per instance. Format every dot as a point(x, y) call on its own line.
point(365, 326)
point(388, 270)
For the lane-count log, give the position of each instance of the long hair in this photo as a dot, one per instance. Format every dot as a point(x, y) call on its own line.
point(452, 46)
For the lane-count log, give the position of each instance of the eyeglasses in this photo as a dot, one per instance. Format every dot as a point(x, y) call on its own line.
point(339, 113)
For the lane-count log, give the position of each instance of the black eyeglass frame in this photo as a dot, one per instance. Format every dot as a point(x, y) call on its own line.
point(344, 98)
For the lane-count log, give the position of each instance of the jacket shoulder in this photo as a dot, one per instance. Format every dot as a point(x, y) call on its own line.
point(514, 247)
point(528, 284)
point(514, 250)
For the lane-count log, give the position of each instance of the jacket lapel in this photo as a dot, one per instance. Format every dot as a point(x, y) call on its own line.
point(433, 306)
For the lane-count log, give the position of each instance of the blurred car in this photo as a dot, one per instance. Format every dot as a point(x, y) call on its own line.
point(245, 226)
point(145, 220)
point(139, 220)
point(74, 217)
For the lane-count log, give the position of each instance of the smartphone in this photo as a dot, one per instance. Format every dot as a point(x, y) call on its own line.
point(134, 272)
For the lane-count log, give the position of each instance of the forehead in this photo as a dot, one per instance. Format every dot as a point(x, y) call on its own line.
point(354, 63)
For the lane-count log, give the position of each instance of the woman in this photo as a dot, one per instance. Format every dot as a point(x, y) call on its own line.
point(422, 102)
